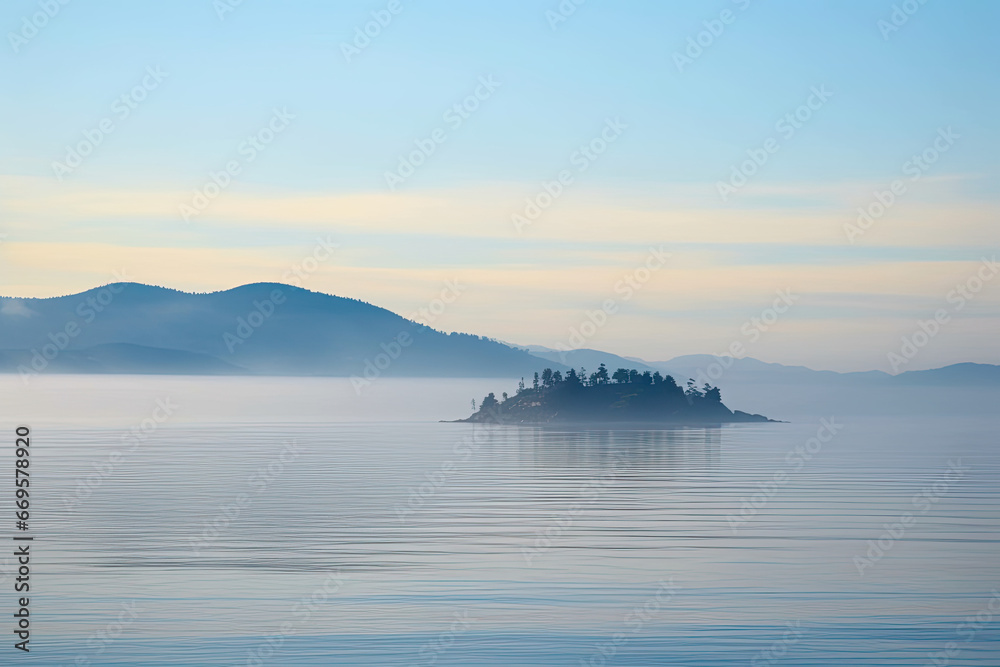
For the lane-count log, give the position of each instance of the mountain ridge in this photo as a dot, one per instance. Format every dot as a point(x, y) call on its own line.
point(268, 328)
point(260, 328)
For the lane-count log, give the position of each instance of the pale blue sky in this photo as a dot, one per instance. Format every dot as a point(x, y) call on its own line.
point(685, 130)
point(608, 59)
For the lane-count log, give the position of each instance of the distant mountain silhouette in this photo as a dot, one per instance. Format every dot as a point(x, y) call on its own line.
point(963, 374)
point(134, 328)
point(263, 328)
point(747, 370)
point(703, 367)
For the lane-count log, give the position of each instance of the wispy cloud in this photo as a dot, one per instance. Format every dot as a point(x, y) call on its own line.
point(932, 217)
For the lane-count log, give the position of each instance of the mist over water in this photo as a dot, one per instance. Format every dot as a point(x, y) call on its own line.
point(184, 520)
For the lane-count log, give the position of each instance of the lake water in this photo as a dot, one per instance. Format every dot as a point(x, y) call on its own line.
point(290, 522)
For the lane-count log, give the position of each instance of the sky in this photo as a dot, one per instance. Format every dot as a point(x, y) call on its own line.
point(648, 178)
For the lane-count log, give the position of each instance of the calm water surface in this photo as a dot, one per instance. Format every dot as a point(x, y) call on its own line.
point(291, 522)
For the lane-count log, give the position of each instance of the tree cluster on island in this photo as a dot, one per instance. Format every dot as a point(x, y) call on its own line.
point(624, 395)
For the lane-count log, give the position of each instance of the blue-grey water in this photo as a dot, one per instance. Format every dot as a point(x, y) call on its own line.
point(292, 522)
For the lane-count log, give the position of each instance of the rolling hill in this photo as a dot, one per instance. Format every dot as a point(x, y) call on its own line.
point(263, 328)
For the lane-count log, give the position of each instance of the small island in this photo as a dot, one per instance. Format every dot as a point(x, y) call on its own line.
point(625, 396)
